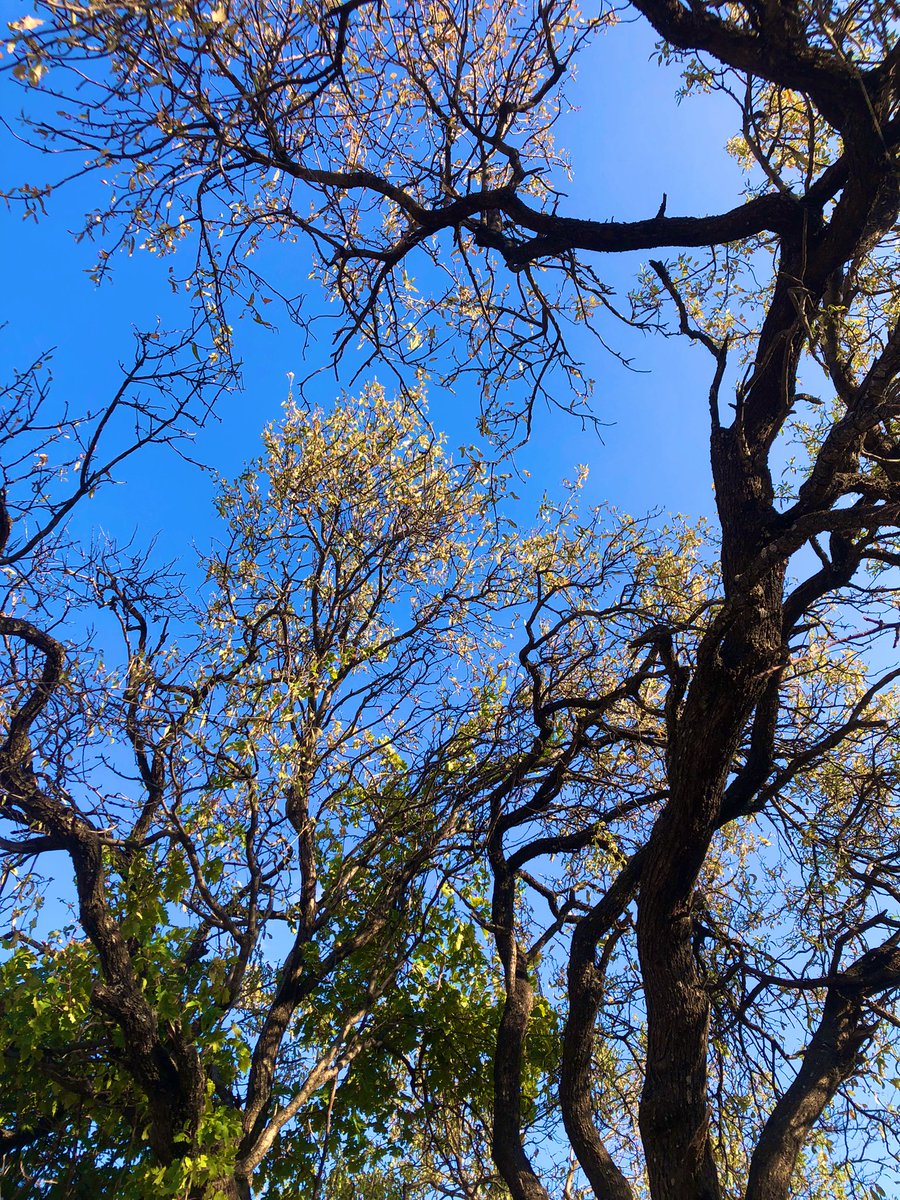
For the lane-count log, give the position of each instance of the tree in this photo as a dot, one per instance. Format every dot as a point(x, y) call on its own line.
point(701, 826)
point(285, 771)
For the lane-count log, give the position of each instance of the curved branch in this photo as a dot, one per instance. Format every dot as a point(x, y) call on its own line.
point(830, 1058)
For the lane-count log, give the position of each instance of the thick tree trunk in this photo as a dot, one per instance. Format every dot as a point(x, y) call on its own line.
point(735, 661)
point(229, 1187)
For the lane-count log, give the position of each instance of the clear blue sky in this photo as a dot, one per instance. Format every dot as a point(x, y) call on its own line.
point(629, 143)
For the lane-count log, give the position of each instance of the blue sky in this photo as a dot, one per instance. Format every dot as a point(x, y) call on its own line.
point(629, 143)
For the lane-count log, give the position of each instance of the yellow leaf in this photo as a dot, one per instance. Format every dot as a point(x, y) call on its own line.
point(26, 24)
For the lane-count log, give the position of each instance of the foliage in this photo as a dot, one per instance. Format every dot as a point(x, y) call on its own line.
point(275, 789)
point(340, 794)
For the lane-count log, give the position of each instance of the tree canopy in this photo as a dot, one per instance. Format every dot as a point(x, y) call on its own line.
point(427, 855)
